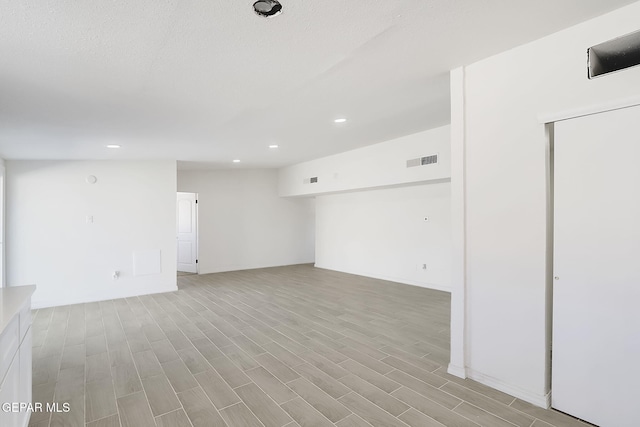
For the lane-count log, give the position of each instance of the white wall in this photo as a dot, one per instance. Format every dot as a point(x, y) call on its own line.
point(382, 234)
point(244, 224)
point(2, 223)
point(50, 243)
point(506, 202)
point(370, 209)
point(377, 165)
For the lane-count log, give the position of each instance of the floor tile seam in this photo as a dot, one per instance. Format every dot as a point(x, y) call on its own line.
point(241, 402)
point(137, 373)
point(335, 400)
point(484, 410)
point(261, 365)
point(375, 404)
point(411, 363)
point(273, 375)
point(261, 389)
point(170, 385)
point(60, 369)
point(509, 405)
point(426, 397)
point(320, 413)
point(382, 409)
point(155, 417)
point(491, 399)
point(103, 418)
point(384, 376)
point(535, 418)
point(276, 320)
point(199, 385)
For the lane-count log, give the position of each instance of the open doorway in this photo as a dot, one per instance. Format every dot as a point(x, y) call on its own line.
point(187, 232)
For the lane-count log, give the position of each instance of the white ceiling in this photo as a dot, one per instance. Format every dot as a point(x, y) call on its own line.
point(208, 81)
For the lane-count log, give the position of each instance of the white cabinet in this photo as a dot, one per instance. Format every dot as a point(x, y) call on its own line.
point(8, 390)
point(26, 369)
point(15, 355)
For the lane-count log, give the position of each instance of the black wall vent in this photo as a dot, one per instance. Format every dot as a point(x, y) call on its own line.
point(423, 161)
point(614, 55)
point(311, 180)
point(429, 160)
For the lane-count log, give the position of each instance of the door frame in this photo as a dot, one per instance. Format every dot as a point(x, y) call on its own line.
point(549, 120)
point(197, 230)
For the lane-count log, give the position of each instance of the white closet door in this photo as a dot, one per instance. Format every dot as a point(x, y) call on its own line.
point(596, 293)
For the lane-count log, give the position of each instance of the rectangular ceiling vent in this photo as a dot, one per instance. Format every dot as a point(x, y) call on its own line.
point(614, 55)
point(423, 161)
point(312, 180)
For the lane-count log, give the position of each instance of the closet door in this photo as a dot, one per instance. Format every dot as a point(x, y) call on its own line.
point(596, 292)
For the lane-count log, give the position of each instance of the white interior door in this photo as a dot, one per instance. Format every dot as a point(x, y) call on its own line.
point(596, 293)
point(187, 232)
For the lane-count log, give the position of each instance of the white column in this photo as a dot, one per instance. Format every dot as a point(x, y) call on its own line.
point(457, 365)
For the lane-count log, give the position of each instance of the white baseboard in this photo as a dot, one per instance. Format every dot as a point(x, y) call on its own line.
point(541, 400)
point(253, 266)
point(389, 278)
point(71, 299)
point(457, 371)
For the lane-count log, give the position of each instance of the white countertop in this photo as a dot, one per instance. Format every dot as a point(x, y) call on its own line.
point(12, 299)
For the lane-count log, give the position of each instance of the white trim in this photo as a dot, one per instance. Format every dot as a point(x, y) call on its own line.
point(457, 371)
point(197, 234)
point(541, 400)
point(390, 279)
point(70, 299)
point(3, 224)
point(458, 329)
point(588, 110)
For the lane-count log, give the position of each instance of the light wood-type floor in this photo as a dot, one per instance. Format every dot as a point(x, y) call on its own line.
point(274, 347)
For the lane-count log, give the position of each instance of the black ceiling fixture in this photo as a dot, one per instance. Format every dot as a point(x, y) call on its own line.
point(267, 8)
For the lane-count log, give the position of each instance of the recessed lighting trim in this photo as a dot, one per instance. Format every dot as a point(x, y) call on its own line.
point(273, 146)
point(113, 146)
point(340, 120)
point(236, 161)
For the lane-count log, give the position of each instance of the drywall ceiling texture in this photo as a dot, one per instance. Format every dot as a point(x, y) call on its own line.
point(210, 81)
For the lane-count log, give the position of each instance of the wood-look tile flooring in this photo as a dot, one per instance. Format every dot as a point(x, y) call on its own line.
point(274, 347)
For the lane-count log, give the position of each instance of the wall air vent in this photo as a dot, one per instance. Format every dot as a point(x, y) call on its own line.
point(423, 161)
point(312, 180)
point(614, 55)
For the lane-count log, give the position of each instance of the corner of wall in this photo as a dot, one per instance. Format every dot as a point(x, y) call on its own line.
point(458, 226)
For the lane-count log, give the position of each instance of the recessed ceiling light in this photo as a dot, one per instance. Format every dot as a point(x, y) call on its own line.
point(113, 146)
point(236, 161)
point(267, 8)
point(273, 146)
point(341, 120)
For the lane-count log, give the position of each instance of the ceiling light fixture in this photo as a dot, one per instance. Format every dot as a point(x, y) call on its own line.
point(113, 146)
point(267, 8)
point(341, 120)
point(273, 146)
point(236, 161)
